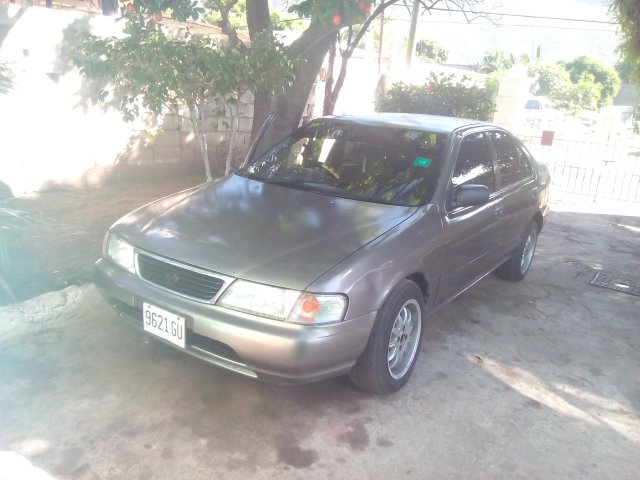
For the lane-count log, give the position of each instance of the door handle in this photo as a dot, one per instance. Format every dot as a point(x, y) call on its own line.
point(499, 212)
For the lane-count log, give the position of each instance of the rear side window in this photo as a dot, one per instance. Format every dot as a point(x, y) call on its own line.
point(474, 164)
point(513, 165)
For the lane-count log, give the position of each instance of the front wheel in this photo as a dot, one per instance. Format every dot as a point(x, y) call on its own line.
point(394, 344)
point(518, 264)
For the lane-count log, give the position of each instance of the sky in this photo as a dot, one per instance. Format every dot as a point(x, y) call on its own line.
point(558, 39)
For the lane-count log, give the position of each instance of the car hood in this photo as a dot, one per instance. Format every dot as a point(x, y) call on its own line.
point(258, 231)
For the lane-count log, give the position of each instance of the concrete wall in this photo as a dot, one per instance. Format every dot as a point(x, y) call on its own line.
point(50, 131)
point(511, 99)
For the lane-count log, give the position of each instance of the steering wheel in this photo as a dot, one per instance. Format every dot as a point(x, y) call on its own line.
point(330, 172)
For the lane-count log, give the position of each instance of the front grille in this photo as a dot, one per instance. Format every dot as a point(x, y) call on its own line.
point(181, 280)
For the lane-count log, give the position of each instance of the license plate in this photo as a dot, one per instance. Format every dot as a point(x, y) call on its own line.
point(164, 324)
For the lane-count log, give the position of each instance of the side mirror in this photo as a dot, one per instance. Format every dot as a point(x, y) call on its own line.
point(470, 196)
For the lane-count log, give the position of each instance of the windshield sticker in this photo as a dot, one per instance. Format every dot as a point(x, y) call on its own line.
point(422, 162)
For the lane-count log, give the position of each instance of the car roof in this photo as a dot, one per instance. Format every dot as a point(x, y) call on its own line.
point(417, 121)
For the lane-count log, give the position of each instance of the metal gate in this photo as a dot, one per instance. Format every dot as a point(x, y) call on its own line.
point(597, 169)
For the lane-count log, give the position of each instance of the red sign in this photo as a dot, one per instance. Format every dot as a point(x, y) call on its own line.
point(547, 138)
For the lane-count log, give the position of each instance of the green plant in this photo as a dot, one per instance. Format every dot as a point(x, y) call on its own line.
point(627, 13)
point(442, 95)
point(496, 61)
point(431, 51)
point(152, 69)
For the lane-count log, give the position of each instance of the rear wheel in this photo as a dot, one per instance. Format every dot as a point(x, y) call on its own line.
point(518, 264)
point(394, 344)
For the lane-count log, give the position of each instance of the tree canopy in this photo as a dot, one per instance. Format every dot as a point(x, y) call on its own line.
point(581, 84)
point(584, 68)
point(305, 55)
point(627, 13)
point(151, 68)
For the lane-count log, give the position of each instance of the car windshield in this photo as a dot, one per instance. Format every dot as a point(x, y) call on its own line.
point(385, 165)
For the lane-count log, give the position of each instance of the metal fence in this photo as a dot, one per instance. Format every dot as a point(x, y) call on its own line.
point(603, 170)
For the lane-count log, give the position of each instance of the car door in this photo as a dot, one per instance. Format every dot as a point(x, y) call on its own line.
point(518, 190)
point(469, 233)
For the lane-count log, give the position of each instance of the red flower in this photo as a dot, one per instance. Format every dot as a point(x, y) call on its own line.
point(336, 20)
point(365, 7)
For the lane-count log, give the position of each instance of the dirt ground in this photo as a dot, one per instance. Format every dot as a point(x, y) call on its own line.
point(61, 250)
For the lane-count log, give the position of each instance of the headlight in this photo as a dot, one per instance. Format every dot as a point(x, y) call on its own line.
point(317, 309)
point(120, 252)
point(282, 304)
point(259, 299)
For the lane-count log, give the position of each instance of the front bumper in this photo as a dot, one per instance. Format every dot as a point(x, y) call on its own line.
point(247, 344)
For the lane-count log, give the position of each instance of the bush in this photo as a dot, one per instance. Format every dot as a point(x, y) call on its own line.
point(441, 95)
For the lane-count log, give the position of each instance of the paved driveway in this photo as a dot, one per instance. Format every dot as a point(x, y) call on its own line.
point(531, 380)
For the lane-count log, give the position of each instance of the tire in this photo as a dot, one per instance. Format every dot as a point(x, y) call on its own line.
point(394, 344)
point(516, 268)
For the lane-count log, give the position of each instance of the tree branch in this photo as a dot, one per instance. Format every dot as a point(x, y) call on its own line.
point(225, 25)
point(319, 31)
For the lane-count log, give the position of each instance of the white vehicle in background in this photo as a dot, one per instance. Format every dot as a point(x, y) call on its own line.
point(538, 112)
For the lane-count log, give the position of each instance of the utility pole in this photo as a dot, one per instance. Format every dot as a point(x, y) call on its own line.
point(381, 42)
point(411, 45)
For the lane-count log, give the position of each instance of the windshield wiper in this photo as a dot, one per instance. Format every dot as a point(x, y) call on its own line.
point(282, 183)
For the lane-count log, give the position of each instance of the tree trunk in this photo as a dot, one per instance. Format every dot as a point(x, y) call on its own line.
point(380, 49)
point(258, 17)
point(258, 21)
point(411, 42)
point(233, 110)
point(310, 48)
point(332, 94)
point(197, 120)
point(290, 106)
point(344, 61)
point(262, 107)
point(109, 7)
point(329, 104)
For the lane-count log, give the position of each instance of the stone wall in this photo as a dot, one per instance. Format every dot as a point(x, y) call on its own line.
point(53, 135)
point(174, 141)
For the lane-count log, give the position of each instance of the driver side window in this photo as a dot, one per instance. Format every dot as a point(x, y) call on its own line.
point(475, 163)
